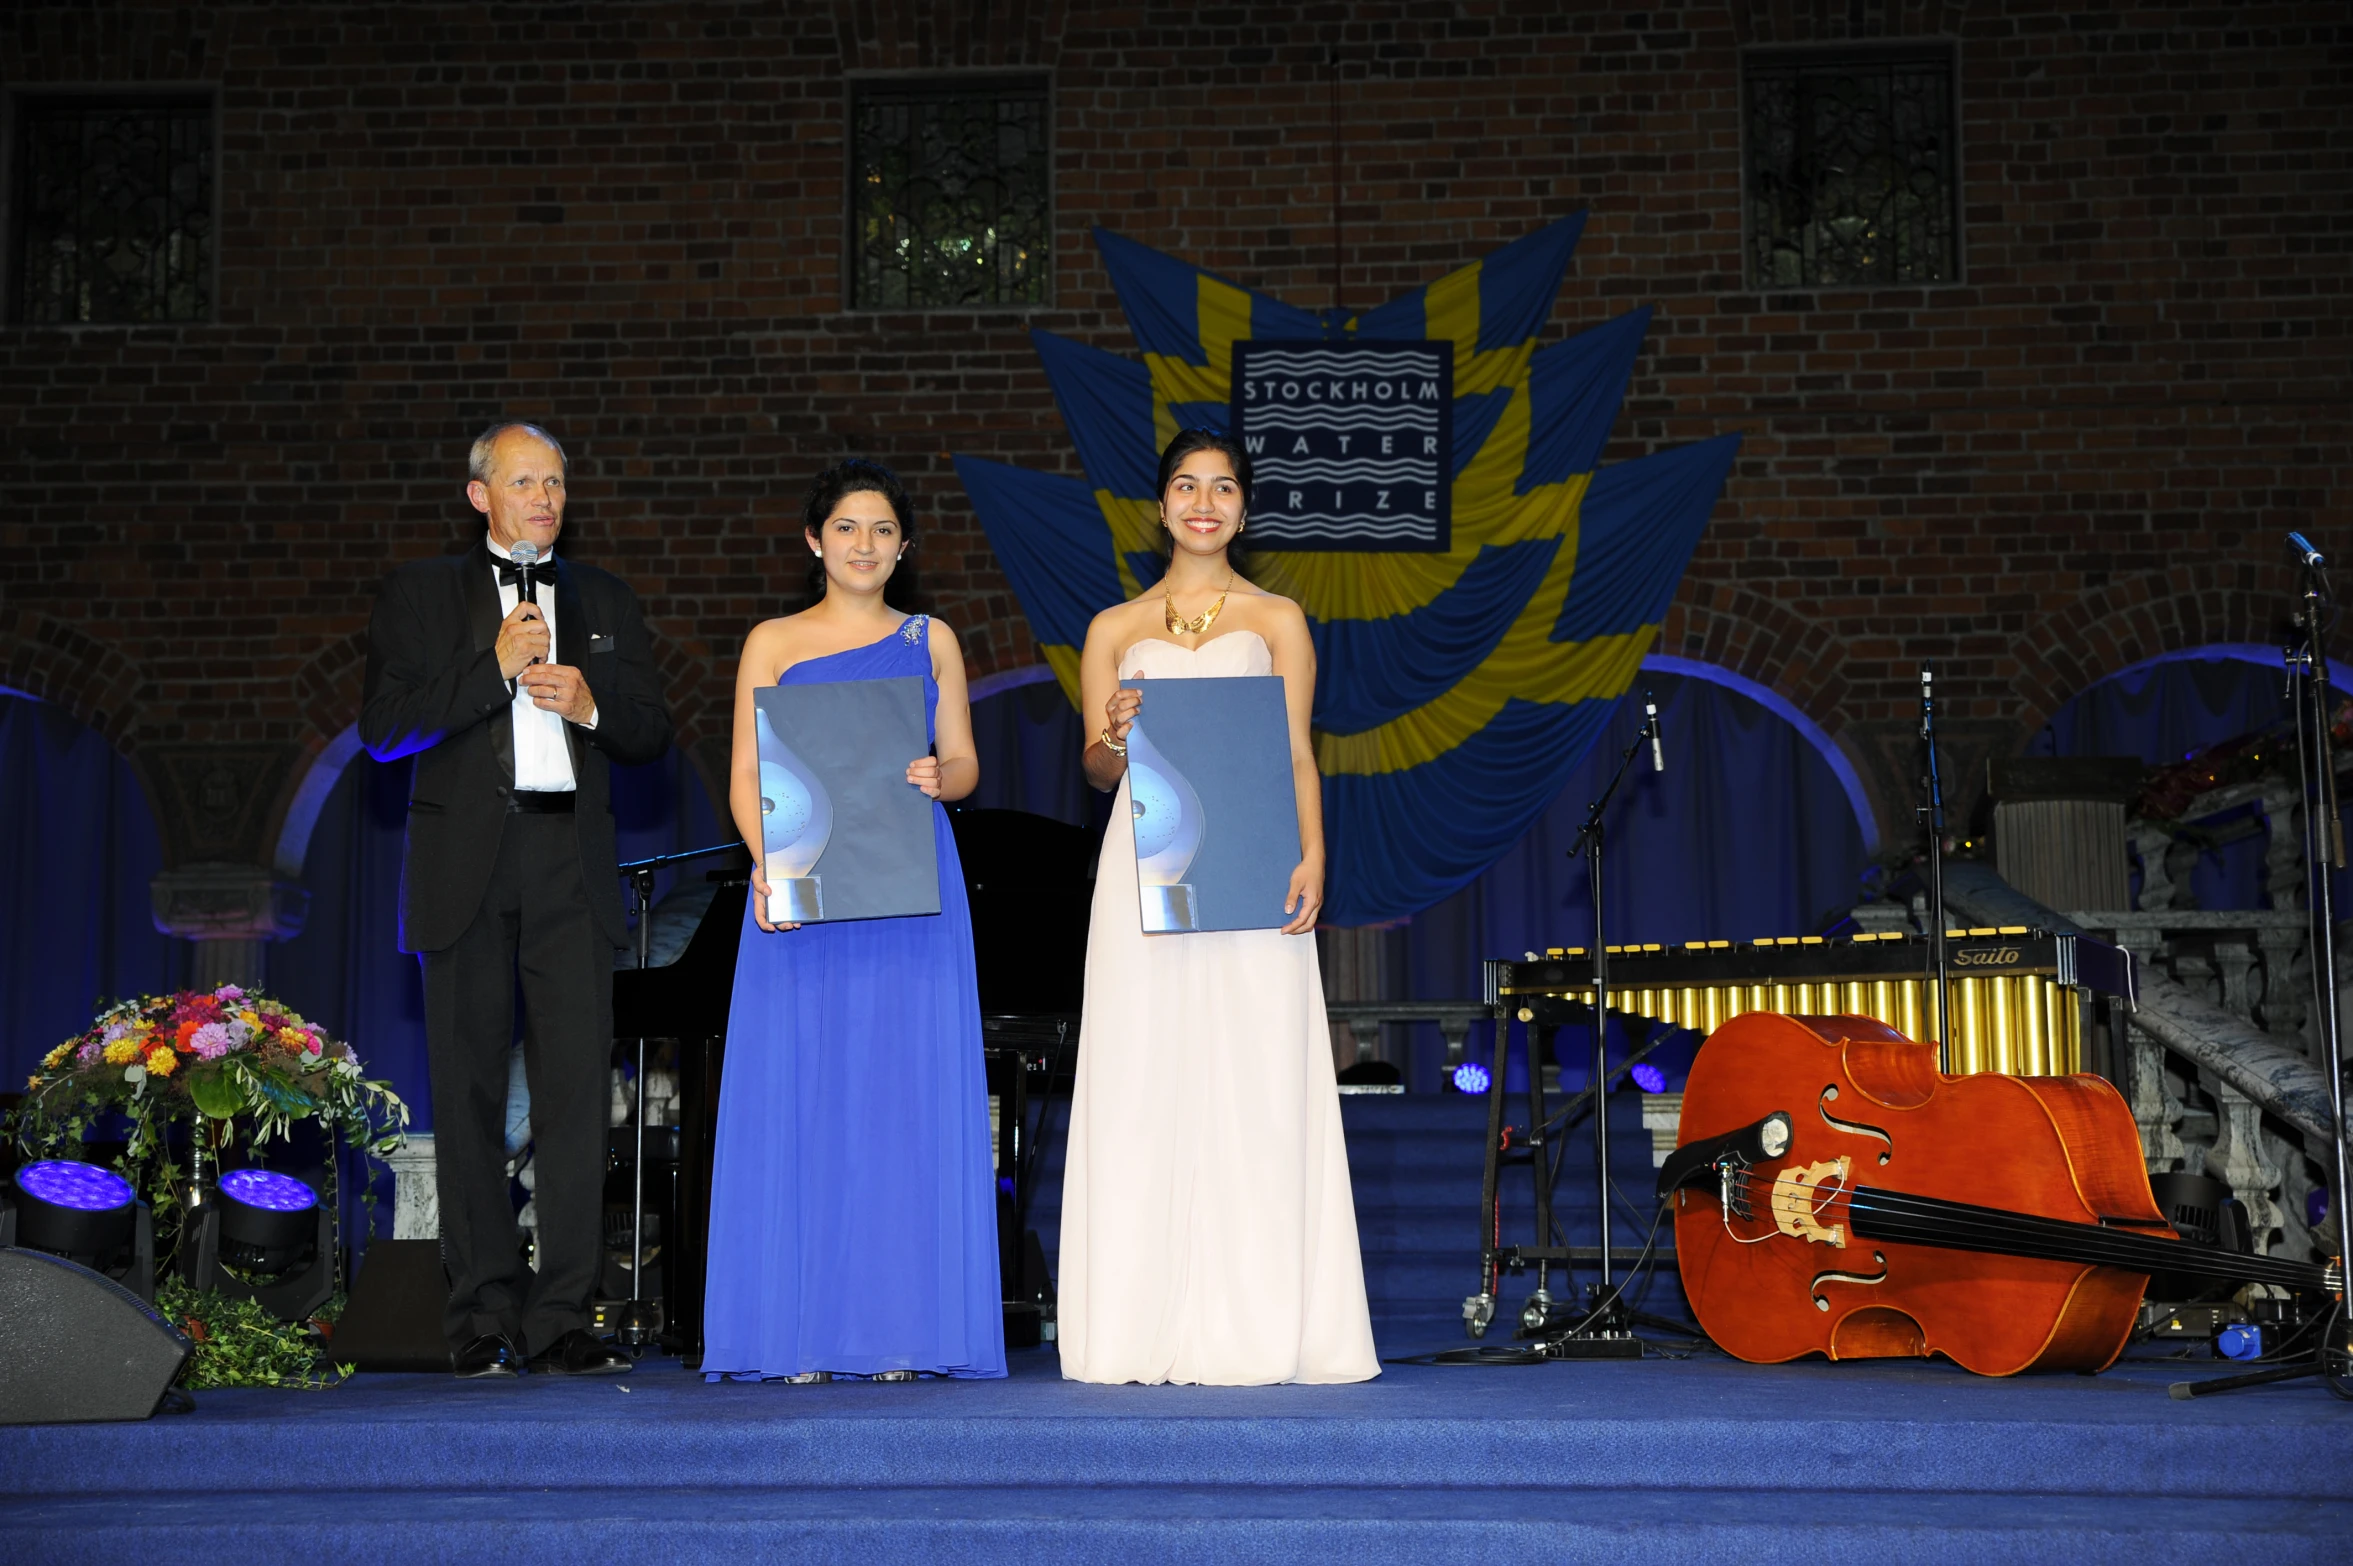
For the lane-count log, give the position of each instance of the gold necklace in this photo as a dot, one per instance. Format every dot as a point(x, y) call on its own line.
point(1198, 626)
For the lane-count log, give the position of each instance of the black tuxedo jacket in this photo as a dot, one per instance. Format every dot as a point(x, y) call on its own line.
point(434, 692)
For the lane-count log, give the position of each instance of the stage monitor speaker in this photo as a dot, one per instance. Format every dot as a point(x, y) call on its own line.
point(76, 1346)
point(393, 1320)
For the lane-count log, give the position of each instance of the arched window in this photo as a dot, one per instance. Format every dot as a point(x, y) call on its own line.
point(1758, 826)
point(2171, 707)
point(78, 848)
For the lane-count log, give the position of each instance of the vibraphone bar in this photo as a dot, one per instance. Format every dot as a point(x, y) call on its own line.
point(2016, 1003)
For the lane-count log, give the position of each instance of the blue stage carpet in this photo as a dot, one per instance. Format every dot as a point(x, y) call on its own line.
point(1701, 1460)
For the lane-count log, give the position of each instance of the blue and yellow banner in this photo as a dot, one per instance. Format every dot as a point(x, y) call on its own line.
point(1456, 688)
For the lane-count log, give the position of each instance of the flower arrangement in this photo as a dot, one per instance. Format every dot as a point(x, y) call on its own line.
point(211, 1057)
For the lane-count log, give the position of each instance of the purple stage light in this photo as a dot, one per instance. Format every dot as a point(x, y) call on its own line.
point(85, 1188)
point(275, 1193)
point(1649, 1078)
point(1471, 1077)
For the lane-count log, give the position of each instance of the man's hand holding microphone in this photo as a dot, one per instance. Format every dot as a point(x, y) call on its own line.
point(522, 649)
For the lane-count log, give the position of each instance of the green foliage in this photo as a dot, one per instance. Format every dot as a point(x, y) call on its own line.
point(238, 1344)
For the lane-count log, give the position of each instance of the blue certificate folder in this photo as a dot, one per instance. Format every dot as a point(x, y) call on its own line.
point(1216, 818)
point(844, 834)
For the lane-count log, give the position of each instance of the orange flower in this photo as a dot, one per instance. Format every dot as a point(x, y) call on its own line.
point(185, 1032)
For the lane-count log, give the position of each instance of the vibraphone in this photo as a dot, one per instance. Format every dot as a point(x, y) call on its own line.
point(2016, 1001)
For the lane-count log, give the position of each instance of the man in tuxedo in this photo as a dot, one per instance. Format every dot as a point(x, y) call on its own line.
point(515, 686)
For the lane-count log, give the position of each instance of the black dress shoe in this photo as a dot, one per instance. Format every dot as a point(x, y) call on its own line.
point(580, 1353)
point(492, 1354)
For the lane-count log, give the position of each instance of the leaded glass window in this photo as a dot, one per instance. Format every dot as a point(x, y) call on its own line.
point(951, 193)
point(1852, 171)
point(112, 210)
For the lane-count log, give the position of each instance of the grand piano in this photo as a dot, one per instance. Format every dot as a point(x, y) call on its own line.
point(1029, 880)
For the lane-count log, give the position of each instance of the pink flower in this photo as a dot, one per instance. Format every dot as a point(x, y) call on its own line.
point(229, 992)
point(213, 1040)
point(91, 1051)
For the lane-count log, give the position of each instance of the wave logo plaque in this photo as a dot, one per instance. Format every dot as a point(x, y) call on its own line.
point(1351, 443)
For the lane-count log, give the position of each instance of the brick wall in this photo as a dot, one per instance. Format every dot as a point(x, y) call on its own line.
point(626, 220)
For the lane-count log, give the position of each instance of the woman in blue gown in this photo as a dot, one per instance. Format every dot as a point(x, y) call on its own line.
point(853, 1193)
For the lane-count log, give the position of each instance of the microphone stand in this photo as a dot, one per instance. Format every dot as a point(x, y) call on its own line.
point(1933, 813)
point(1603, 1333)
point(2306, 656)
point(641, 1320)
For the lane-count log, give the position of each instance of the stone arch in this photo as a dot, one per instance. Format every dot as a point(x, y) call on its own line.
point(702, 703)
point(327, 692)
point(327, 686)
point(2127, 622)
point(1780, 658)
point(1762, 642)
point(51, 660)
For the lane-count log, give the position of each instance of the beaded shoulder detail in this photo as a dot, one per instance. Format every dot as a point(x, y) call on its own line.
point(912, 632)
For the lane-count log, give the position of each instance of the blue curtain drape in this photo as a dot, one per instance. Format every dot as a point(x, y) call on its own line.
point(76, 855)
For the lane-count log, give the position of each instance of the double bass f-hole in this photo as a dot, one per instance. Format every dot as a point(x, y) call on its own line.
point(1878, 1259)
point(1853, 1127)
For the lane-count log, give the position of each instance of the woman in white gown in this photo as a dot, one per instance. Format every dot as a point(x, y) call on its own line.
point(1208, 1233)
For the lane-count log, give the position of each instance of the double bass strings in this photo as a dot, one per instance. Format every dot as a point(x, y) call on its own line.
point(1959, 1226)
point(1906, 1219)
point(1901, 1218)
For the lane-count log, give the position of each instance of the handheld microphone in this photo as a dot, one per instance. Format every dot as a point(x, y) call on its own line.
point(1650, 714)
point(2304, 552)
point(525, 555)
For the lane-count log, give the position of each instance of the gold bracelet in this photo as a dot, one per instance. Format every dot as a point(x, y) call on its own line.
point(1116, 747)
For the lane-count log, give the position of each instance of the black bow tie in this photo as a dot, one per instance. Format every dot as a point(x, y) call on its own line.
point(541, 575)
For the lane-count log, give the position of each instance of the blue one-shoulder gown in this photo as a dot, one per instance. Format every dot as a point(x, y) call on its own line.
point(853, 1195)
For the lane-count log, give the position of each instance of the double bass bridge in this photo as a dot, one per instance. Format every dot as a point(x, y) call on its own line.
point(1800, 1198)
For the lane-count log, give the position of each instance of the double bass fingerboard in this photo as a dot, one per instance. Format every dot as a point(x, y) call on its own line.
point(2016, 1002)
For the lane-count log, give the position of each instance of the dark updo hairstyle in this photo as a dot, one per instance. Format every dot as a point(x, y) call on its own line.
point(1182, 445)
point(836, 484)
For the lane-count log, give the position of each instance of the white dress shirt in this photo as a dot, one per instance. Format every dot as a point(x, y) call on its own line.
point(543, 754)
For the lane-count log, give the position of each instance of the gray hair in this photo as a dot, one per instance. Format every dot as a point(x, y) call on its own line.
point(478, 455)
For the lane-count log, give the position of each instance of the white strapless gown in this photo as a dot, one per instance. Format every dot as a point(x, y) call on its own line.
point(1208, 1232)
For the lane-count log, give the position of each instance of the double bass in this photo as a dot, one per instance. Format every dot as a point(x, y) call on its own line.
point(1835, 1194)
